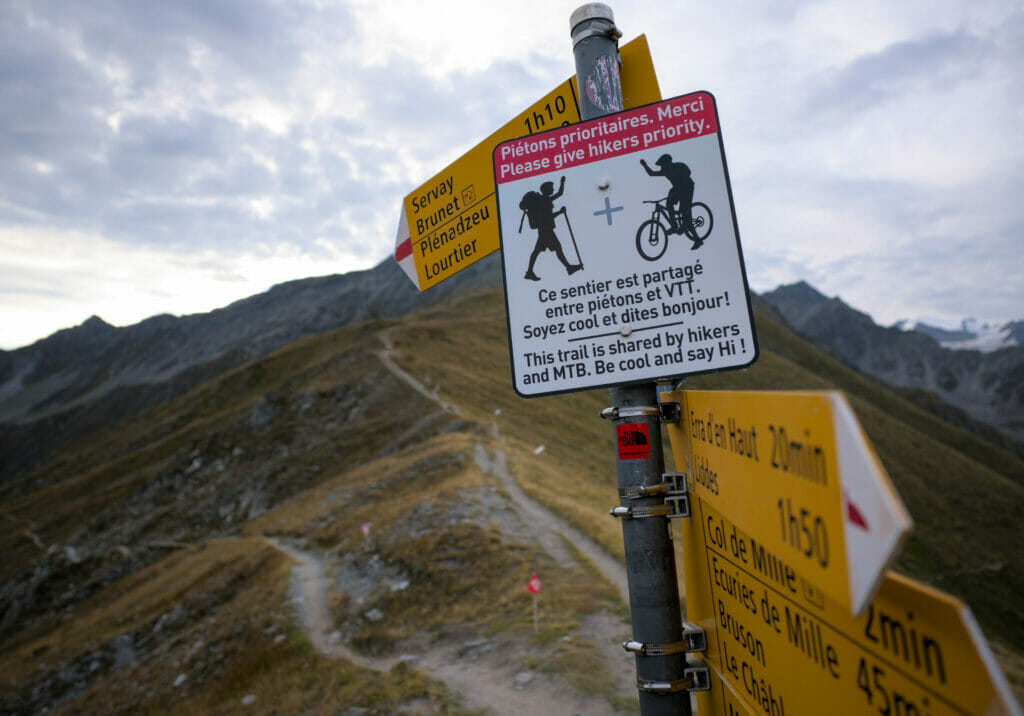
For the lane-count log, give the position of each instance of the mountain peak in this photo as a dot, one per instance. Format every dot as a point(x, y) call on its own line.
point(94, 322)
point(799, 291)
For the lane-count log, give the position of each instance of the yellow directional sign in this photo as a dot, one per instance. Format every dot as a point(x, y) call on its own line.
point(795, 471)
point(450, 221)
point(914, 651)
point(722, 699)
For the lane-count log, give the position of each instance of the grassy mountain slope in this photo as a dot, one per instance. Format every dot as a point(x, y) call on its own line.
point(139, 555)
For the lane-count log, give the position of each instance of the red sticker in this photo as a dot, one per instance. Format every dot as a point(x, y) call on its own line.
point(634, 441)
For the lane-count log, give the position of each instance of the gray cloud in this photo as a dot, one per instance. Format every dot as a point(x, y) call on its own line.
point(177, 170)
point(240, 125)
point(931, 63)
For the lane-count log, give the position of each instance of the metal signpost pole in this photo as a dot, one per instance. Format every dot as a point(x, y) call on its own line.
point(647, 537)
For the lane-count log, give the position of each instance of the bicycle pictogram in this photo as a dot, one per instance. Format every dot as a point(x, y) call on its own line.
point(652, 235)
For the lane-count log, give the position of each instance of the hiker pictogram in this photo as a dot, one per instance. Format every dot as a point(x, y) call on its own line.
point(539, 208)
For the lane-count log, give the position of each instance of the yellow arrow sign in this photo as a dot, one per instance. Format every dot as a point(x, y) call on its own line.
point(914, 651)
point(796, 473)
point(721, 698)
point(450, 222)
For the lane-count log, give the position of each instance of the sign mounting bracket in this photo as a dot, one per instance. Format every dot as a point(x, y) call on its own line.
point(695, 678)
point(694, 640)
point(666, 412)
point(672, 486)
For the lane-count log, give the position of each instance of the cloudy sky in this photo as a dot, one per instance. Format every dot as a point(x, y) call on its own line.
point(174, 156)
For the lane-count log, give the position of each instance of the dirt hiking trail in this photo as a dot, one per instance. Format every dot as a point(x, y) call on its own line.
point(488, 675)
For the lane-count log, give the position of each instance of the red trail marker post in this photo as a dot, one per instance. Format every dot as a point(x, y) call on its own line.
point(533, 587)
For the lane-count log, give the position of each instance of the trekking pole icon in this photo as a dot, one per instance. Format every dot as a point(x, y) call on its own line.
point(579, 259)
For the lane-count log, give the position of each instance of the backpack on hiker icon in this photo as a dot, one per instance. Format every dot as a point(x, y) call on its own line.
point(533, 204)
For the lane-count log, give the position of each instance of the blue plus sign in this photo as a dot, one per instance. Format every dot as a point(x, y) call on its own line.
point(608, 210)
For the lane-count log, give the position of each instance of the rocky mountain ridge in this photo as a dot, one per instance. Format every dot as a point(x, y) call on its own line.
point(80, 364)
point(78, 379)
point(989, 387)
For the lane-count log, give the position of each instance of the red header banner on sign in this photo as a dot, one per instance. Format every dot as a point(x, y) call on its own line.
point(639, 129)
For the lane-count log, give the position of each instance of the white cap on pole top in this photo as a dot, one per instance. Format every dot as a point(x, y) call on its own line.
point(592, 11)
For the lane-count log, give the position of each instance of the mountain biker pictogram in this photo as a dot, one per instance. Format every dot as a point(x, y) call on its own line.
point(677, 213)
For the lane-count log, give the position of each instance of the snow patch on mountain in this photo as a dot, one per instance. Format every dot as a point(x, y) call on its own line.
point(968, 334)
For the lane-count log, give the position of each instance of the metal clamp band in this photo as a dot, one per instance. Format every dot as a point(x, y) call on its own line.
point(635, 493)
point(665, 412)
point(637, 647)
point(593, 20)
point(597, 29)
point(694, 640)
point(636, 513)
point(695, 678)
point(673, 487)
point(664, 687)
point(639, 411)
